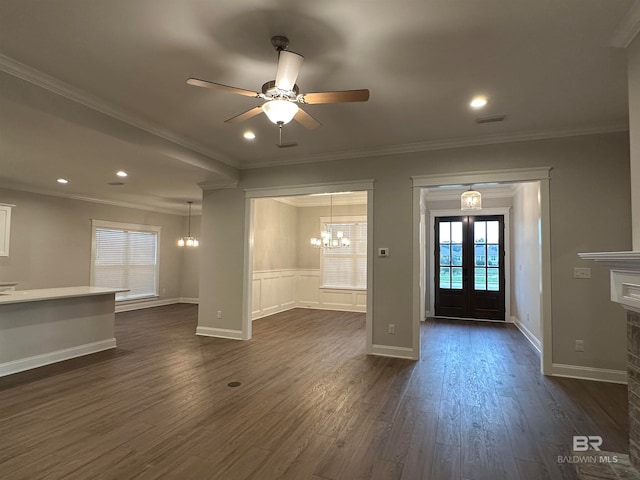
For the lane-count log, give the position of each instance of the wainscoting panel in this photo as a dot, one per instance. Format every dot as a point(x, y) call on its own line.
point(308, 288)
point(279, 290)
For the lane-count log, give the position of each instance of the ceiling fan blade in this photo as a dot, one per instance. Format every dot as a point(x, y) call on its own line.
point(289, 64)
point(207, 84)
point(336, 97)
point(306, 120)
point(245, 115)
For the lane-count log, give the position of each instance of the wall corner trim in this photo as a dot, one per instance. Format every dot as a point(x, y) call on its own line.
point(527, 333)
point(395, 352)
point(589, 373)
point(628, 29)
point(220, 333)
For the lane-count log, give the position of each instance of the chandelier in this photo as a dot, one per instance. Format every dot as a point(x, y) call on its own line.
point(471, 200)
point(188, 241)
point(327, 238)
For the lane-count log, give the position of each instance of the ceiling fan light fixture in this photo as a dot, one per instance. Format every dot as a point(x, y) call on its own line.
point(280, 111)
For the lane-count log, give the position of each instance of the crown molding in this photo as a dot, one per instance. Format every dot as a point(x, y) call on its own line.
point(58, 87)
point(84, 198)
point(301, 201)
point(217, 185)
point(628, 28)
point(445, 145)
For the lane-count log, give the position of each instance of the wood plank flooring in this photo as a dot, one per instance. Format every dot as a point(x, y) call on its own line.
point(311, 405)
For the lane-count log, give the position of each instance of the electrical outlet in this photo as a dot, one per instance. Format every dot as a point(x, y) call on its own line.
point(579, 345)
point(219, 314)
point(581, 272)
point(392, 328)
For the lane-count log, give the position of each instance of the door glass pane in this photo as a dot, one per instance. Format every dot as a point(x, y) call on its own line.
point(493, 279)
point(493, 232)
point(456, 232)
point(445, 232)
point(445, 255)
point(479, 232)
point(456, 278)
point(492, 256)
point(480, 257)
point(456, 255)
point(445, 277)
point(480, 279)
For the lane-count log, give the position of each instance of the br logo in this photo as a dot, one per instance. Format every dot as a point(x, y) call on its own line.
point(582, 443)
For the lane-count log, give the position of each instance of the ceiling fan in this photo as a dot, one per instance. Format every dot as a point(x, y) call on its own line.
point(282, 95)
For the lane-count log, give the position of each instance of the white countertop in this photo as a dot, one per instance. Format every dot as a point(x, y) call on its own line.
point(22, 296)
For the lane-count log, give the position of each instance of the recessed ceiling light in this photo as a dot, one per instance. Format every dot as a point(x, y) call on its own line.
point(478, 102)
point(62, 180)
point(121, 173)
point(249, 135)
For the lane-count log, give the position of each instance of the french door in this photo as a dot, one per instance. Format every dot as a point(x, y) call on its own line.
point(469, 273)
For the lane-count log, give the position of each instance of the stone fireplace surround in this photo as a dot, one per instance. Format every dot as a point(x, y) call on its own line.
point(625, 290)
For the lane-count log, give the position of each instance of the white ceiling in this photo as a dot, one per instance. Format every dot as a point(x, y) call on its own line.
point(82, 83)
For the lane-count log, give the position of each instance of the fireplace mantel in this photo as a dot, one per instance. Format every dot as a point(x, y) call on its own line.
point(625, 276)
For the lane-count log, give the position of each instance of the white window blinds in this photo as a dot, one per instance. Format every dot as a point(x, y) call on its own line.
point(125, 257)
point(346, 267)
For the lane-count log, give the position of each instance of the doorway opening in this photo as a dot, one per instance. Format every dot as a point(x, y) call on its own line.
point(469, 273)
point(521, 270)
point(288, 266)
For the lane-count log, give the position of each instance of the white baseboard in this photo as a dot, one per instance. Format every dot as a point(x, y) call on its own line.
point(396, 352)
point(589, 373)
point(537, 344)
point(189, 300)
point(139, 305)
point(346, 308)
point(257, 316)
point(220, 333)
point(36, 361)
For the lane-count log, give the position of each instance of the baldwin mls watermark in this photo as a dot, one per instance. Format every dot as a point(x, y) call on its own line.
point(587, 443)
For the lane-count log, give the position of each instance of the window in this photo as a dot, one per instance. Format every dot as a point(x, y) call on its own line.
point(346, 267)
point(125, 256)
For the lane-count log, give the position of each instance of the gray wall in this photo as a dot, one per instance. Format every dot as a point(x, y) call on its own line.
point(526, 258)
point(274, 236)
point(51, 241)
point(589, 181)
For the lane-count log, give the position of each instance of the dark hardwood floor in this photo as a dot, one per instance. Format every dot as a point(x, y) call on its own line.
point(311, 405)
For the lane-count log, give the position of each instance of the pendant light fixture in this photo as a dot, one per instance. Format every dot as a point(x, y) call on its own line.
point(471, 200)
point(188, 241)
point(327, 240)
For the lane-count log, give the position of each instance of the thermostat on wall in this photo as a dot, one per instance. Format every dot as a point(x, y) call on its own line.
point(383, 252)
